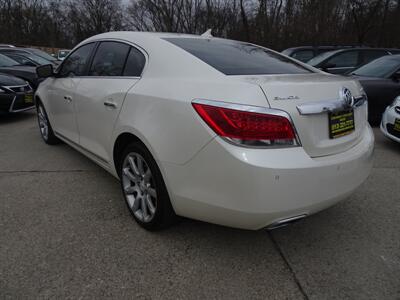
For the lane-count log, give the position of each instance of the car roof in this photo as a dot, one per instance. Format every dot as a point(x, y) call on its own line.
point(140, 35)
point(320, 47)
point(179, 63)
point(334, 52)
point(364, 49)
point(14, 49)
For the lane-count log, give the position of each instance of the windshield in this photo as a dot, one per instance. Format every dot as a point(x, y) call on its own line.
point(37, 59)
point(42, 54)
point(238, 58)
point(7, 62)
point(318, 59)
point(381, 67)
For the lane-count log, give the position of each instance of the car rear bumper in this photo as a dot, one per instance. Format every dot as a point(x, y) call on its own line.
point(387, 124)
point(253, 188)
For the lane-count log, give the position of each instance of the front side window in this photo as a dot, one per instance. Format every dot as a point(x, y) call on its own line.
point(75, 64)
point(345, 59)
point(370, 55)
point(238, 58)
point(109, 59)
point(320, 58)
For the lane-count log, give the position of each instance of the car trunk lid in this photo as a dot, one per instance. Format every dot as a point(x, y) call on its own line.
point(289, 92)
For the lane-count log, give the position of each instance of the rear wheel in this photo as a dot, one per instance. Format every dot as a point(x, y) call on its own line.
point(46, 130)
point(144, 189)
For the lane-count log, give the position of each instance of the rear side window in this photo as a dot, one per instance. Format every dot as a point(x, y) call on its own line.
point(75, 64)
point(238, 58)
point(109, 59)
point(135, 63)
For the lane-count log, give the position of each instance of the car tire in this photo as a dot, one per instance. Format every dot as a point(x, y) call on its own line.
point(144, 189)
point(46, 131)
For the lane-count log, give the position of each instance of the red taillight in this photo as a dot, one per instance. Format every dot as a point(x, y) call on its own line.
point(247, 127)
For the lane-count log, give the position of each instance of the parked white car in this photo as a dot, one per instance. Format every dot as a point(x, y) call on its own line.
point(390, 125)
point(211, 129)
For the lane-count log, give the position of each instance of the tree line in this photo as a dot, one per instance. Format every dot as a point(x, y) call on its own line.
point(277, 24)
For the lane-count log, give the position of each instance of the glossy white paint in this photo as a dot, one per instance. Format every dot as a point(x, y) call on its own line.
point(207, 178)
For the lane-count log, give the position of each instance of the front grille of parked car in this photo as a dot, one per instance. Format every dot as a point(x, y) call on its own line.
point(390, 129)
point(5, 103)
point(20, 103)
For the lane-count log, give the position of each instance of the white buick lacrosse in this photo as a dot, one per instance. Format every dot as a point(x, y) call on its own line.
point(216, 130)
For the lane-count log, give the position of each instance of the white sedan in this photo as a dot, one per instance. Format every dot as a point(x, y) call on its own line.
point(390, 124)
point(216, 130)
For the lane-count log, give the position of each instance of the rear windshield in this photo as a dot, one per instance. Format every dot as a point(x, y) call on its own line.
point(238, 58)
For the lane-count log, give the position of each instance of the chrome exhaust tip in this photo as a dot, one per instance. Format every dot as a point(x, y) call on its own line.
point(285, 222)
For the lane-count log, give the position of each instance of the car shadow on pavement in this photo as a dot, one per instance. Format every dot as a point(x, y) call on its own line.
point(392, 145)
point(16, 117)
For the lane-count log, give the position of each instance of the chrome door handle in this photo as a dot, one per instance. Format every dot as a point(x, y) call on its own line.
point(110, 104)
point(68, 98)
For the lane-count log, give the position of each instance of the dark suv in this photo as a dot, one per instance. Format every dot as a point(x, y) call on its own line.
point(346, 60)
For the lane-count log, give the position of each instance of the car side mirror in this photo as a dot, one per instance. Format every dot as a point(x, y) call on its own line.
point(45, 71)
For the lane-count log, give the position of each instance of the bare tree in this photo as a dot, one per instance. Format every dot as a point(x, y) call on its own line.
point(274, 23)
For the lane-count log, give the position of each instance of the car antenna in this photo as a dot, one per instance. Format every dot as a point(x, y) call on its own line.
point(208, 33)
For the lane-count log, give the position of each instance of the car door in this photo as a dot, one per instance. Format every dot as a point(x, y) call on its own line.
point(114, 69)
point(61, 104)
point(342, 63)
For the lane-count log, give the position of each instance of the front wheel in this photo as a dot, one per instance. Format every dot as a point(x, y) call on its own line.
point(46, 131)
point(144, 189)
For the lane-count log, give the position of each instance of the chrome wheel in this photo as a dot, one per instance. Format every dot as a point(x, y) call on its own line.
point(138, 187)
point(43, 123)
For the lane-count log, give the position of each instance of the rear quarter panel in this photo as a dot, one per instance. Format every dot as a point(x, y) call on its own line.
point(159, 112)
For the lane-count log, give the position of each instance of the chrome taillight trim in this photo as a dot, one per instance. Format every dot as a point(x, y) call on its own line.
point(255, 109)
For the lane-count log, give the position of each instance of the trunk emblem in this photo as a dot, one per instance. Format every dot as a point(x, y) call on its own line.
point(346, 97)
point(287, 98)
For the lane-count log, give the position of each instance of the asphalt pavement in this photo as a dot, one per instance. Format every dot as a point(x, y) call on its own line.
point(65, 232)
